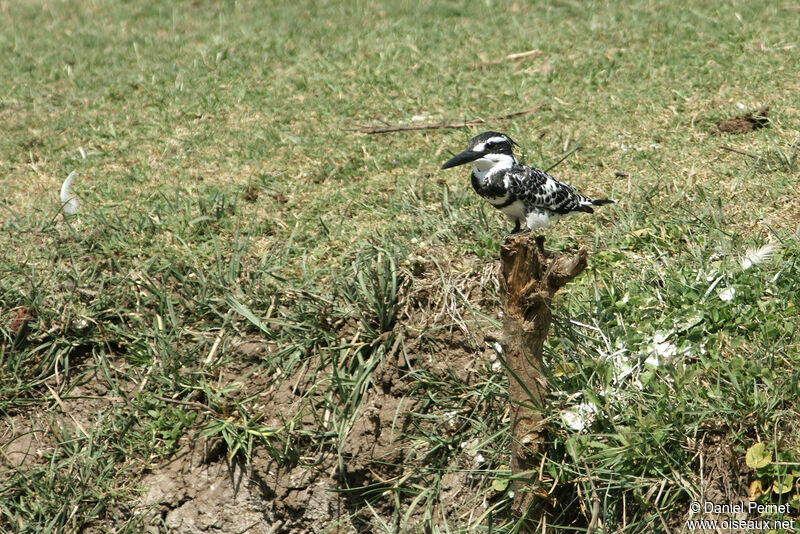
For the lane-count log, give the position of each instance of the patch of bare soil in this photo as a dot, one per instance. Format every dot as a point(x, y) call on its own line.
point(721, 477)
point(24, 440)
point(200, 491)
point(745, 123)
point(26, 435)
point(191, 493)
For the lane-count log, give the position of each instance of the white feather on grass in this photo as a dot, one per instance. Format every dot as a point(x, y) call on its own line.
point(69, 203)
point(756, 256)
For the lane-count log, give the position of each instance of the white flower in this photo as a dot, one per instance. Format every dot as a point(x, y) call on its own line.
point(660, 337)
point(579, 417)
point(726, 295)
point(662, 349)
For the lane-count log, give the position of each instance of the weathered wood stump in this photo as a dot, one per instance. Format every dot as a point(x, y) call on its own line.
point(529, 277)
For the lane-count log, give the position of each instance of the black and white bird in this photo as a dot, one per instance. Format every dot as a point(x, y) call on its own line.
point(528, 196)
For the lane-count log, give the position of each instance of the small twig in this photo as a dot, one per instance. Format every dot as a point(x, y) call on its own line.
point(595, 503)
point(7, 459)
point(742, 152)
point(214, 347)
point(663, 523)
point(512, 57)
point(271, 307)
point(440, 126)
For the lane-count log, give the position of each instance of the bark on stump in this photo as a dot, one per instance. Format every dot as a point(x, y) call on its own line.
point(529, 278)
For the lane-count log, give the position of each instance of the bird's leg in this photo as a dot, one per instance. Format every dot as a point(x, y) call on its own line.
point(517, 231)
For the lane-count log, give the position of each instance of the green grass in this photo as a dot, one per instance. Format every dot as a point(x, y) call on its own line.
point(225, 203)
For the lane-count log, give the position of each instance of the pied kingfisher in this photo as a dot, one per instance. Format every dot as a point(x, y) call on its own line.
point(523, 193)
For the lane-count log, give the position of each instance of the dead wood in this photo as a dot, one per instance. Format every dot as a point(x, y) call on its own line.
point(737, 151)
point(529, 277)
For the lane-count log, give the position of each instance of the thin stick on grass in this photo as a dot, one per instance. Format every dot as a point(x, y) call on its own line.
point(565, 156)
point(736, 150)
point(214, 347)
point(64, 409)
point(512, 57)
point(442, 125)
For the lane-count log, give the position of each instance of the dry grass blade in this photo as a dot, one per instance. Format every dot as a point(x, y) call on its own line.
point(513, 57)
point(443, 125)
point(66, 411)
point(595, 502)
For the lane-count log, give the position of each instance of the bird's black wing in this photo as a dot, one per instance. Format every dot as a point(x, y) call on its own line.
point(538, 189)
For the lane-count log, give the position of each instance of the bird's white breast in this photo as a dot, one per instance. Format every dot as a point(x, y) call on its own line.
point(540, 219)
point(490, 164)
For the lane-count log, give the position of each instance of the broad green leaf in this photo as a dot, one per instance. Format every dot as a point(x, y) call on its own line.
point(500, 484)
point(757, 456)
point(783, 486)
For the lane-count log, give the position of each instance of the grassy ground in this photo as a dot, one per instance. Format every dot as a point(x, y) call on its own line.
point(237, 241)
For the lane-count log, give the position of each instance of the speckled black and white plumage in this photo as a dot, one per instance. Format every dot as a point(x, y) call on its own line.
point(528, 196)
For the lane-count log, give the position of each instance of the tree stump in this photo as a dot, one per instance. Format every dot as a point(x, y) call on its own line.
point(529, 277)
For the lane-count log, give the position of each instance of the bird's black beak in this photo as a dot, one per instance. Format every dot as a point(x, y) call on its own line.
point(461, 159)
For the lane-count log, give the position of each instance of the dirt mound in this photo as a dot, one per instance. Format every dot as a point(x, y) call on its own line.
point(192, 494)
point(745, 123)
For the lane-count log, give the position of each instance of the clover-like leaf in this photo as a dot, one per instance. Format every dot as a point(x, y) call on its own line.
point(500, 484)
point(783, 486)
point(757, 456)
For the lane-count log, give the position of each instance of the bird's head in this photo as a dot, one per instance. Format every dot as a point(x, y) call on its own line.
point(487, 151)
